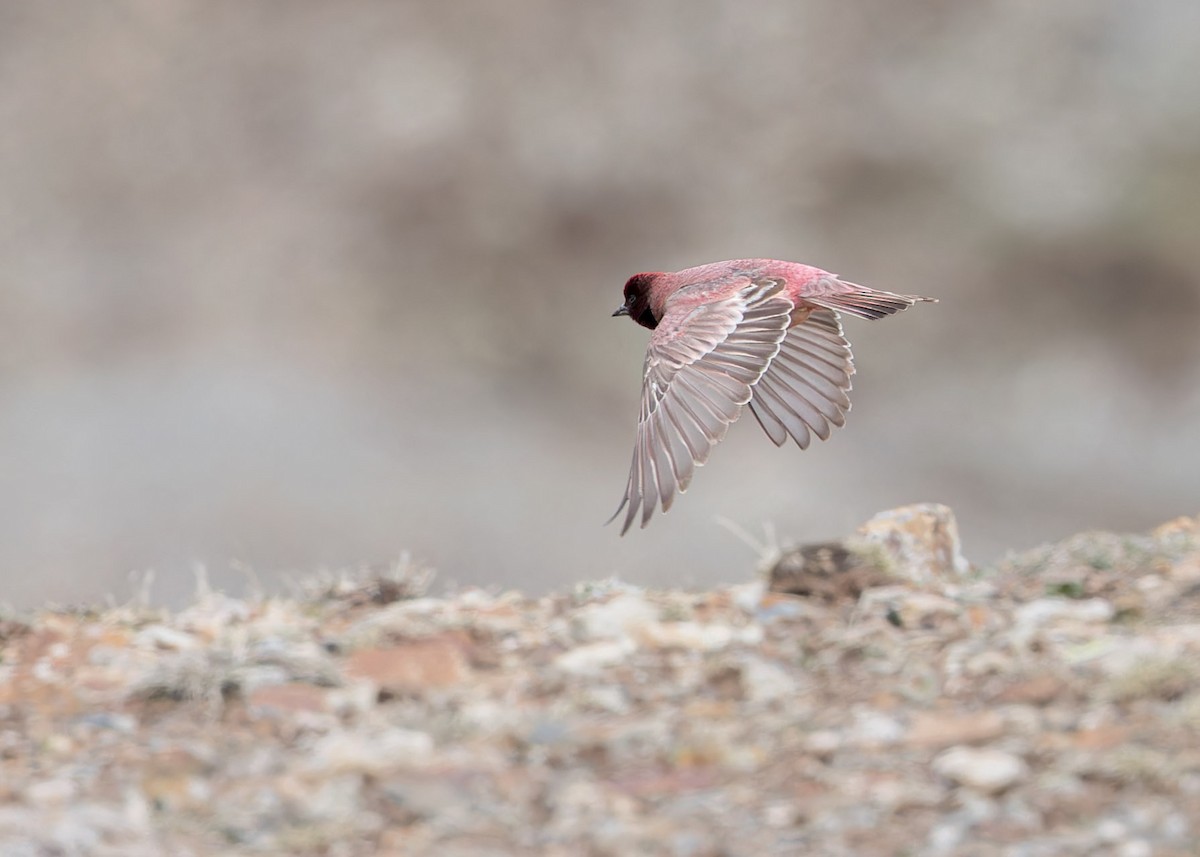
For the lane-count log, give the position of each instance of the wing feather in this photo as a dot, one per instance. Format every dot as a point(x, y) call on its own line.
point(805, 390)
point(701, 365)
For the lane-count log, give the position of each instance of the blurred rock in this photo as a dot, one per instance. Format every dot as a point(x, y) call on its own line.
point(414, 666)
point(981, 768)
point(620, 616)
point(944, 729)
point(921, 541)
point(829, 572)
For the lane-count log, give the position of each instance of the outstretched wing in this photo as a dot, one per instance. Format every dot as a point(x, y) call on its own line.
point(701, 365)
point(805, 389)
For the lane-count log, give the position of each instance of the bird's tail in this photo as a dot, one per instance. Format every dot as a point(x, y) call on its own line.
point(864, 302)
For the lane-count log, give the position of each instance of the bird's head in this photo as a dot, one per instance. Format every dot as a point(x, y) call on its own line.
point(637, 300)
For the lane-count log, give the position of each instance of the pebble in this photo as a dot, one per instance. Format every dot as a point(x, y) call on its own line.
point(981, 768)
point(370, 753)
point(594, 657)
point(165, 638)
point(1047, 610)
point(620, 616)
point(763, 681)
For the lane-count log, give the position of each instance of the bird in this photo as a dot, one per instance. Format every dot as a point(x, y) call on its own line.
point(759, 332)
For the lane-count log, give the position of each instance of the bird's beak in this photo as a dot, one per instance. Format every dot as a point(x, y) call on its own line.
point(623, 309)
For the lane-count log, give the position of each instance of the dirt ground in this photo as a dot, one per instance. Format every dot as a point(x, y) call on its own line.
point(877, 696)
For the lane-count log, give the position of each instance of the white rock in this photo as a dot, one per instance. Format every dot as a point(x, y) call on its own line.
point(371, 753)
point(594, 657)
point(748, 596)
point(617, 617)
point(607, 697)
point(1111, 830)
point(981, 768)
point(1044, 610)
point(823, 742)
point(1135, 848)
point(165, 638)
point(872, 729)
point(56, 792)
point(696, 636)
point(764, 681)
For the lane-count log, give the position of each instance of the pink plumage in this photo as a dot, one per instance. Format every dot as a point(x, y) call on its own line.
point(757, 332)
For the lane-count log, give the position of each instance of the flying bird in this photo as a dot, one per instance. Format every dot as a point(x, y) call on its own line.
point(757, 332)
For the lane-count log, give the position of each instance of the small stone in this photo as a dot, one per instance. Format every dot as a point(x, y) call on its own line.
point(944, 729)
point(592, 658)
point(780, 814)
point(1135, 848)
point(763, 681)
point(828, 572)
point(981, 768)
point(1046, 610)
point(1111, 830)
point(56, 792)
point(988, 663)
point(620, 616)
point(411, 666)
point(922, 540)
point(165, 638)
point(611, 698)
point(823, 743)
point(926, 610)
point(289, 698)
point(748, 597)
point(1039, 690)
point(872, 729)
point(379, 752)
point(695, 636)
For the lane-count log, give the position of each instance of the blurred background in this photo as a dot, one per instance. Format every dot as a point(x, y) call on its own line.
point(306, 285)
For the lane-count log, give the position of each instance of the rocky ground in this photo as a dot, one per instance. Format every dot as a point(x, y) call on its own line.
point(873, 697)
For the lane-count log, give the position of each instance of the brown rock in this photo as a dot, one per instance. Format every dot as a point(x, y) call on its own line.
point(946, 729)
point(1182, 525)
point(411, 666)
point(922, 540)
point(289, 698)
point(827, 572)
point(1101, 737)
point(1038, 690)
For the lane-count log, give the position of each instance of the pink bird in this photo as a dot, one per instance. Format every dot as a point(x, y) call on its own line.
point(755, 332)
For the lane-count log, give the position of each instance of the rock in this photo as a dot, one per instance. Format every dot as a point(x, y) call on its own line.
point(922, 542)
point(411, 666)
point(763, 681)
point(944, 729)
point(621, 615)
point(1047, 610)
point(909, 609)
point(53, 792)
point(165, 638)
point(288, 698)
point(1039, 690)
point(696, 636)
point(874, 729)
point(373, 752)
point(981, 768)
point(829, 572)
point(592, 658)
